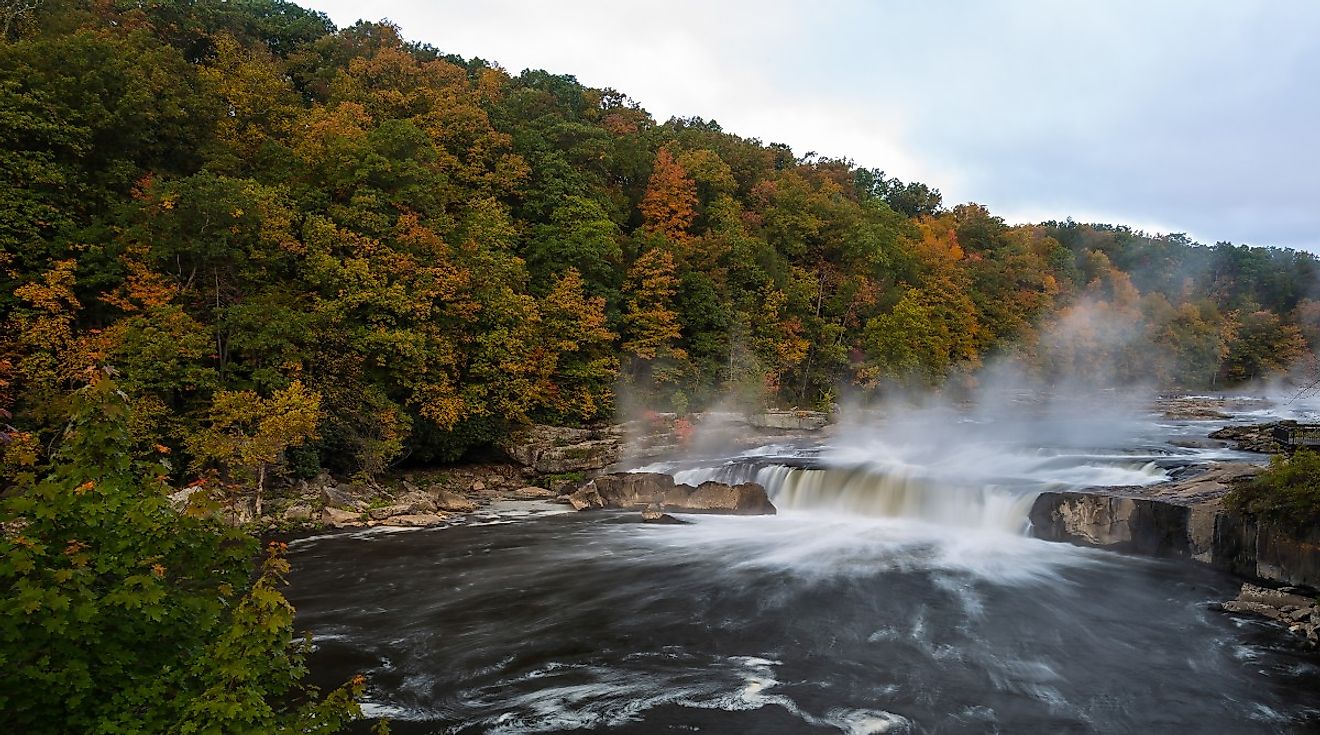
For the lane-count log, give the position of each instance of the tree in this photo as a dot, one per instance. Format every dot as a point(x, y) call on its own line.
point(1263, 344)
point(669, 205)
point(581, 369)
point(247, 434)
point(118, 614)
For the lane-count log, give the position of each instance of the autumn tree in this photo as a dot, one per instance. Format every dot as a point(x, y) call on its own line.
point(668, 207)
point(245, 434)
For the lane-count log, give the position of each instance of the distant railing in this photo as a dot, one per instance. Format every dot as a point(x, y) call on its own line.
point(1291, 435)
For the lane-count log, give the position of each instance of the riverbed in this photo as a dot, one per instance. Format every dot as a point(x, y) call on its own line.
point(895, 592)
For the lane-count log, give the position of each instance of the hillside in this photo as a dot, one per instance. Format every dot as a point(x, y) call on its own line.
point(360, 250)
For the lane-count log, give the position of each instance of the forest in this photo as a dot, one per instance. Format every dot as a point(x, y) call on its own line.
point(235, 239)
point(248, 213)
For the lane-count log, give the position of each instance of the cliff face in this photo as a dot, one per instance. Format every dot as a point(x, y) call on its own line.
point(1181, 519)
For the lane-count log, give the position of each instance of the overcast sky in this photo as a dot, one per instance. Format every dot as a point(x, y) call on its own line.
point(1194, 116)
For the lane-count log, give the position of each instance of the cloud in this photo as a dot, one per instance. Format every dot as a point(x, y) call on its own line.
point(1191, 115)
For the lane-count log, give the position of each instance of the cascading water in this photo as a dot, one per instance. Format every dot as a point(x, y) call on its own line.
point(898, 495)
point(895, 593)
point(979, 489)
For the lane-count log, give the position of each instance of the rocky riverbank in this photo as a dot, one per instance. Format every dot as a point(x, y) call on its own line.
point(1295, 608)
point(1186, 519)
point(543, 463)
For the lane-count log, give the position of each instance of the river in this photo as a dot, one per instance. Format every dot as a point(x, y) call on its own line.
point(896, 592)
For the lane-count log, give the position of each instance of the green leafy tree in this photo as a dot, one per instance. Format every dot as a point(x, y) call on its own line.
point(118, 614)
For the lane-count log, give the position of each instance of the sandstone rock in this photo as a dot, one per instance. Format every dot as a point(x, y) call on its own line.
point(558, 449)
point(297, 513)
point(338, 518)
point(333, 497)
point(643, 489)
point(1251, 608)
point(421, 520)
point(417, 502)
point(1253, 438)
point(1274, 598)
point(478, 487)
point(655, 514)
point(584, 498)
point(748, 498)
point(380, 514)
point(453, 502)
point(1301, 613)
point(531, 492)
point(790, 420)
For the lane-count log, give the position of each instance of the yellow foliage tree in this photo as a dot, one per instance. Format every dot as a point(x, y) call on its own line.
point(246, 434)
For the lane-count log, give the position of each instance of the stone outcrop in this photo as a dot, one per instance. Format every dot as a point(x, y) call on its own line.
point(551, 450)
point(1250, 438)
point(640, 490)
point(1299, 612)
point(1182, 519)
point(789, 420)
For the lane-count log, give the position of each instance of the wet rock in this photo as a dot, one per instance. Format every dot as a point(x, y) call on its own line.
point(1182, 519)
point(643, 489)
point(586, 498)
point(654, 513)
point(1252, 438)
point(420, 520)
point(1275, 598)
point(748, 498)
point(1299, 612)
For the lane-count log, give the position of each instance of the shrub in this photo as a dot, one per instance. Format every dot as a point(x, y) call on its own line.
point(1286, 494)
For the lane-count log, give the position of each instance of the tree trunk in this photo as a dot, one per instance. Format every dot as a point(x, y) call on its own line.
point(261, 487)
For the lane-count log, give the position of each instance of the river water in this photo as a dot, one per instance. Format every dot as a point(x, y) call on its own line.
point(895, 592)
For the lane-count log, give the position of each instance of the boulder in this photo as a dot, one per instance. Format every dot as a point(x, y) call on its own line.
point(420, 520)
point(654, 513)
point(417, 502)
point(748, 498)
point(550, 450)
point(1274, 598)
point(531, 492)
point(1299, 612)
point(586, 498)
point(338, 518)
point(452, 502)
point(380, 514)
point(333, 497)
point(297, 513)
point(638, 490)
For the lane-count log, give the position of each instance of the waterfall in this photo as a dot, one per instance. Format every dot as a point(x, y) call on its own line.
point(897, 495)
point(893, 493)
